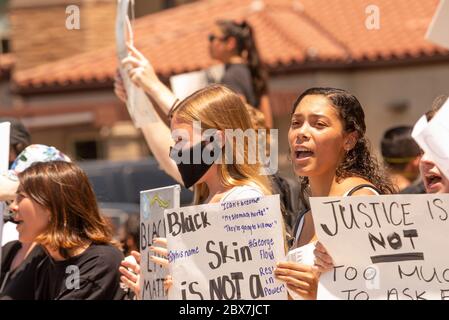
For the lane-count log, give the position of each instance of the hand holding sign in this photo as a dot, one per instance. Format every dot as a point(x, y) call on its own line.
point(323, 261)
point(300, 278)
point(130, 270)
point(140, 70)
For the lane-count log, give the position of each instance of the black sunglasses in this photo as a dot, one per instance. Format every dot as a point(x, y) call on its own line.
point(212, 37)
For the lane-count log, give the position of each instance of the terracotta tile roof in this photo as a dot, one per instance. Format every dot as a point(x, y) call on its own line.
point(289, 33)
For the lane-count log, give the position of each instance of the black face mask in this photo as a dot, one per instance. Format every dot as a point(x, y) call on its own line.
point(192, 172)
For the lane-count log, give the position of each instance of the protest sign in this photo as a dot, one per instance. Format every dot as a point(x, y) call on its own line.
point(152, 205)
point(303, 255)
point(5, 128)
point(183, 85)
point(438, 31)
point(384, 247)
point(429, 136)
point(139, 105)
point(226, 251)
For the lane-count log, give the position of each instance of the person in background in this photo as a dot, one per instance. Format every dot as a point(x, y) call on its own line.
point(230, 42)
point(434, 180)
point(401, 156)
point(129, 234)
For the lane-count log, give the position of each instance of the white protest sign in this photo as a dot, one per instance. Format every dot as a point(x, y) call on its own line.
point(5, 128)
point(303, 255)
point(183, 85)
point(152, 205)
point(226, 251)
point(431, 137)
point(384, 247)
point(140, 108)
point(438, 31)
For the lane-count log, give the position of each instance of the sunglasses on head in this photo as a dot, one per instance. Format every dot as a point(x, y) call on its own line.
point(212, 37)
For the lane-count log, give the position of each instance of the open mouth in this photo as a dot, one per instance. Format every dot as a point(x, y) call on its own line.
point(302, 153)
point(433, 179)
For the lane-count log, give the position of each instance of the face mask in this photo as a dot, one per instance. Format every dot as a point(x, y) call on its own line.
point(193, 162)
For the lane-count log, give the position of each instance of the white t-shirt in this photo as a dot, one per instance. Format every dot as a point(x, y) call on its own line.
point(242, 192)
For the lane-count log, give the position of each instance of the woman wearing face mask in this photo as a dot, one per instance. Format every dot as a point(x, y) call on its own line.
point(331, 156)
point(216, 108)
point(231, 43)
point(434, 180)
point(55, 208)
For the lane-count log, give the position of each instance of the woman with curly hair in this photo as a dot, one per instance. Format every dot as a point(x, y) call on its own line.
point(332, 157)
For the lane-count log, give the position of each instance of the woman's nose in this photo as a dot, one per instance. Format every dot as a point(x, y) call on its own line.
point(14, 207)
point(302, 134)
point(426, 160)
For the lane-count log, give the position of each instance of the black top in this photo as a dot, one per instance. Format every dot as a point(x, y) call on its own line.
point(92, 275)
point(238, 78)
point(18, 284)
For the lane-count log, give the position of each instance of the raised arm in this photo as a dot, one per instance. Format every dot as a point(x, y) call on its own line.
point(157, 134)
point(142, 73)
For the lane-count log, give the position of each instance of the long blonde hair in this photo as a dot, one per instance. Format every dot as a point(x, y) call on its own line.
point(217, 107)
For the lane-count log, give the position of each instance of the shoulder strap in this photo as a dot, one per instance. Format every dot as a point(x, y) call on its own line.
point(362, 186)
point(298, 221)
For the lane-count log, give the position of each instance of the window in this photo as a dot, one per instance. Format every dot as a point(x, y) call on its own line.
point(86, 150)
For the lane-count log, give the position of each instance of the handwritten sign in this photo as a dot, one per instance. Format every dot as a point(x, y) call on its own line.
point(384, 247)
point(303, 255)
point(430, 137)
point(140, 108)
point(438, 29)
point(152, 205)
point(226, 251)
point(5, 128)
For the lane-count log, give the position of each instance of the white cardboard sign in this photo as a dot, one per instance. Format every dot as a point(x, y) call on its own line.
point(384, 247)
point(140, 108)
point(152, 205)
point(226, 251)
point(438, 31)
point(431, 137)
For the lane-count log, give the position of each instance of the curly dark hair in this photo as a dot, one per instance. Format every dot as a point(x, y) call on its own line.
point(359, 161)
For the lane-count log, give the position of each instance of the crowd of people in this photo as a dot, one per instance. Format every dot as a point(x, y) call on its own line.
point(56, 213)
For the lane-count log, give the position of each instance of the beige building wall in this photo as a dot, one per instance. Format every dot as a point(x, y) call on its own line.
point(390, 96)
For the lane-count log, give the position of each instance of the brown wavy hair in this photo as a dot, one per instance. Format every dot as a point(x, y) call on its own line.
point(64, 189)
point(359, 161)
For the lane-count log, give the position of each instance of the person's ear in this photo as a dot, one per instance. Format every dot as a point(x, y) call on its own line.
point(350, 141)
point(231, 44)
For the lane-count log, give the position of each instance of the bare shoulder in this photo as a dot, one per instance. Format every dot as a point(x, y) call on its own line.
point(352, 182)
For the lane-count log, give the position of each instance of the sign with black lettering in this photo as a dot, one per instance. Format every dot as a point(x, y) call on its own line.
point(152, 205)
point(226, 251)
point(384, 247)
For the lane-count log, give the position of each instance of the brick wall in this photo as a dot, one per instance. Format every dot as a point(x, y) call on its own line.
point(39, 33)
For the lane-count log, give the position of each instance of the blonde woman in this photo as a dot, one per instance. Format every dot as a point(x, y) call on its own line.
point(218, 178)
